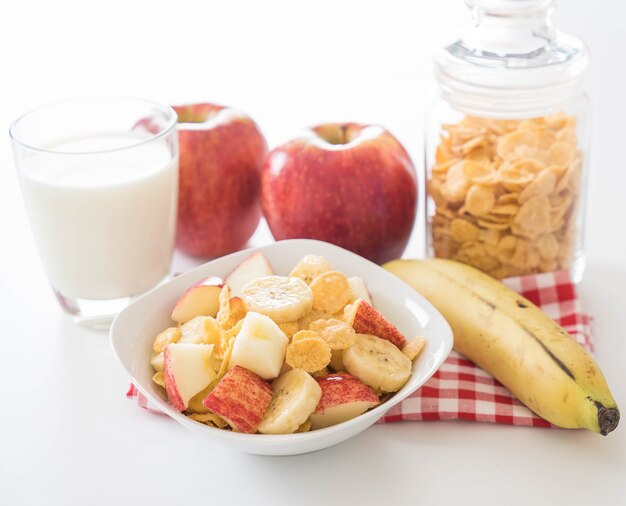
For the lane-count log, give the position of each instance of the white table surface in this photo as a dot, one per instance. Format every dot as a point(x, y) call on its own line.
point(68, 434)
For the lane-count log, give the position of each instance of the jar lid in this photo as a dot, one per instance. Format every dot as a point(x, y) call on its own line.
point(511, 60)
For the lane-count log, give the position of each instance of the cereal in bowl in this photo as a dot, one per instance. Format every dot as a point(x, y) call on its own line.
point(287, 354)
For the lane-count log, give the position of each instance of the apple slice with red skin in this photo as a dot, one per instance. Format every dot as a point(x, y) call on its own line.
point(241, 398)
point(201, 299)
point(253, 267)
point(187, 370)
point(365, 319)
point(343, 397)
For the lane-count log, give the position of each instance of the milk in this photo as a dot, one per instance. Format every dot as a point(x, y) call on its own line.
point(104, 224)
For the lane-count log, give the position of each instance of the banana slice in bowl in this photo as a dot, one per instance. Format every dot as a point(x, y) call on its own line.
point(296, 394)
point(377, 363)
point(310, 267)
point(282, 298)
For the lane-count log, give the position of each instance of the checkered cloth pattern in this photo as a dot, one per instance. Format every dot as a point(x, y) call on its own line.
point(462, 390)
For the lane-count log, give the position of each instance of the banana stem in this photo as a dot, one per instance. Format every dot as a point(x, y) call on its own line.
point(608, 418)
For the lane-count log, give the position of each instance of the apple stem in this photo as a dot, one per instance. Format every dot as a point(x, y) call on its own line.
point(343, 138)
point(196, 113)
point(335, 133)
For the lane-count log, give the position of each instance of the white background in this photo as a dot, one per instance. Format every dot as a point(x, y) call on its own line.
point(67, 433)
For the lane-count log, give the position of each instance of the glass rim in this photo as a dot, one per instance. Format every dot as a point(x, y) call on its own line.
point(166, 109)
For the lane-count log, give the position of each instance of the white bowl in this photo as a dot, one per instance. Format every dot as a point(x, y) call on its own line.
point(136, 326)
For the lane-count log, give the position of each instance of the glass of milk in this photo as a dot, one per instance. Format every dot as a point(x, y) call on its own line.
point(99, 178)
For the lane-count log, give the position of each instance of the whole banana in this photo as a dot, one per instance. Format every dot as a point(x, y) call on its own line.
point(512, 339)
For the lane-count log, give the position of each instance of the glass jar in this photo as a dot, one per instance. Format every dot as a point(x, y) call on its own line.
point(507, 144)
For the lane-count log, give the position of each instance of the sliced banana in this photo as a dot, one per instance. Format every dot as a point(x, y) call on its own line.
point(377, 363)
point(296, 395)
point(310, 267)
point(281, 298)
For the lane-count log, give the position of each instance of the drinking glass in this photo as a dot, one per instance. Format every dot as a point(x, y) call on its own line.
point(99, 179)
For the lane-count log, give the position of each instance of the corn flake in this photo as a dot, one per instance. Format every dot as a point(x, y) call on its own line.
point(543, 185)
point(500, 211)
point(201, 330)
point(508, 198)
point(493, 225)
point(480, 200)
point(304, 334)
point(548, 247)
point(506, 248)
point(525, 255)
point(473, 170)
point(310, 354)
point(338, 334)
point(456, 184)
point(232, 309)
point(289, 328)
point(413, 347)
point(463, 231)
point(331, 292)
point(159, 378)
point(311, 316)
point(170, 335)
point(210, 419)
point(534, 216)
point(561, 153)
point(305, 427)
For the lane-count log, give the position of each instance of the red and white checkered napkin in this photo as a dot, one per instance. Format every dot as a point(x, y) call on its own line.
point(461, 390)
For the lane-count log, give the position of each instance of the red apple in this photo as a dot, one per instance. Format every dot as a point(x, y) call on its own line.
point(201, 299)
point(343, 397)
point(187, 371)
point(241, 398)
point(221, 156)
point(253, 267)
point(365, 319)
point(349, 184)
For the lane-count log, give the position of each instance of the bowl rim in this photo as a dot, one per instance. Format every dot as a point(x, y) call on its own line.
point(375, 413)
